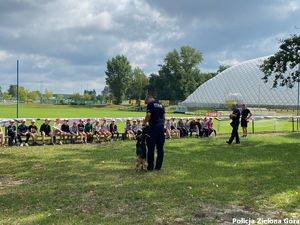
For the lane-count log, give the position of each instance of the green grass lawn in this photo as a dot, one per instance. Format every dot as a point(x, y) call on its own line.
point(63, 111)
point(203, 181)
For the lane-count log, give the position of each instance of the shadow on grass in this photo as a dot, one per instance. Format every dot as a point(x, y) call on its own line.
point(243, 173)
point(294, 135)
point(97, 184)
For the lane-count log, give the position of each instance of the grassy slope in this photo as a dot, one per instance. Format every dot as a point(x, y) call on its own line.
point(97, 184)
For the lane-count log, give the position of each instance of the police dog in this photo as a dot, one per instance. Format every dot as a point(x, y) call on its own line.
point(141, 151)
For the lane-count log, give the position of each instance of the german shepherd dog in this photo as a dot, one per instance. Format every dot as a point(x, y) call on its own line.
point(141, 151)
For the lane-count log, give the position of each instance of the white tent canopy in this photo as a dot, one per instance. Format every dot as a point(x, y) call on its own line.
point(242, 83)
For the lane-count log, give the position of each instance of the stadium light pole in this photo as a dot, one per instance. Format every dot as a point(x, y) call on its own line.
point(17, 89)
point(297, 28)
point(298, 98)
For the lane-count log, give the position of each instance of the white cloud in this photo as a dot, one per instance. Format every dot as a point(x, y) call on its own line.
point(229, 62)
point(104, 19)
point(4, 55)
point(266, 44)
point(67, 42)
point(227, 57)
point(286, 8)
point(76, 14)
point(139, 53)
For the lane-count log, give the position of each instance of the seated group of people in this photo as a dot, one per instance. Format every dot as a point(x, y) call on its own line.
point(61, 129)
point(201, 127)
point(132, 127)
point(86, 130)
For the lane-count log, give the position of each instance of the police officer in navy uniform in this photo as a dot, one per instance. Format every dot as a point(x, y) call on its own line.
point(235, 117)
point(155, 116)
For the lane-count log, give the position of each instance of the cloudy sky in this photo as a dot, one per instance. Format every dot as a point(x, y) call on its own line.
point(63, 45)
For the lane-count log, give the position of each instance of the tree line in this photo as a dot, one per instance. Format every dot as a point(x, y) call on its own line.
point(177, 78)
point(24, 94)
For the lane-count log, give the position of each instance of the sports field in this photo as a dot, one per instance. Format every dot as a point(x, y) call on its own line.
point(67, 111)
point(203, 181)
point(64, 111)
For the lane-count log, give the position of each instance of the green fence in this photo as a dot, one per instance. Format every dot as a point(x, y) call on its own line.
point(263, 125)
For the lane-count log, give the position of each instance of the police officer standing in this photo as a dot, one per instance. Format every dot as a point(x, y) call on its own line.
point(155, 116)
point(235, 117)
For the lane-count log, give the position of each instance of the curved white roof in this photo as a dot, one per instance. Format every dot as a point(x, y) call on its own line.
point(242, 82)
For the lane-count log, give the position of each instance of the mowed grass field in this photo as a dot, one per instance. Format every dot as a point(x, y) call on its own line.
point(203, 181)
point(64, 111)
point(67, 111)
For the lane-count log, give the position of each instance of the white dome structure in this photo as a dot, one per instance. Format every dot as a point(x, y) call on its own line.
point(242, 83)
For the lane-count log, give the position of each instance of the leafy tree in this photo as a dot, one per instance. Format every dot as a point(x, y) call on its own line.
point(60, 99)
point(12, 90)
point(100, 98)
point(106, 95)
point(180, 72)
point(87, 97)
point(137, 88)
point(7, 96)
point(222, 68)
point(203, 77)
point(105, 91)
point(282, 67)
point(118, 76)
point(1, 94)
point(48, 94)
point(23, 94)
point(91, 93)
point(33, 95)
point(76, 97)
point(156, 87)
